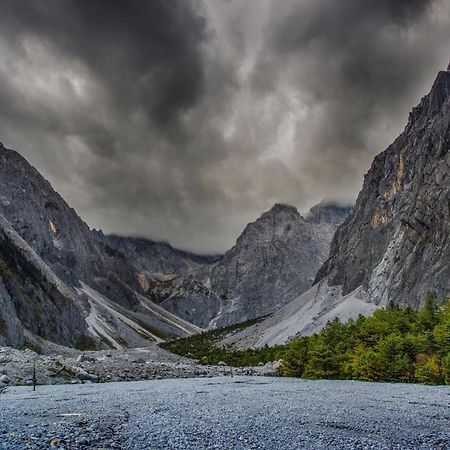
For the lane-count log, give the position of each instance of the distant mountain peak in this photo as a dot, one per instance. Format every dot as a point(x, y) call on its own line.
point(283, 208)
point(328, 211)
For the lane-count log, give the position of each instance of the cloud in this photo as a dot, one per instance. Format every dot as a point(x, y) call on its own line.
point(185, 119)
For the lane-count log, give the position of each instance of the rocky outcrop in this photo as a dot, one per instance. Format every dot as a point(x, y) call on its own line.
point(396, 243)
point(194, 302)
point(274, 260)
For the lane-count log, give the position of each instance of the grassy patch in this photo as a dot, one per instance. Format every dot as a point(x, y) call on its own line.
point(204, 348)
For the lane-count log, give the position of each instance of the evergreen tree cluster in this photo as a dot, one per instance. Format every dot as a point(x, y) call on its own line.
point(394, 344)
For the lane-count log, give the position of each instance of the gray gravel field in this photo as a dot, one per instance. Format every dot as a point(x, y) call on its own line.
point(226, 413)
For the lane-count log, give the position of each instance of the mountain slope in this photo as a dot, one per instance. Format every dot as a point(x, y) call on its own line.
point(105, 290)
point(33, 298)
point(47, 252)
point(395, 245)
point(274, 260)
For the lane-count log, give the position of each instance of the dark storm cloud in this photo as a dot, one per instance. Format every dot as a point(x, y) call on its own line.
point(146, 52)
point(359, 65)
point(184, 119)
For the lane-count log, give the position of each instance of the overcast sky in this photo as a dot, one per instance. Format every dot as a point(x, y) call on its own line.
point(184, 120)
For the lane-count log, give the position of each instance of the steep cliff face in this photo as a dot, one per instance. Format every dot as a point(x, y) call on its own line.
point(56, 233)
point(58, 280)
point(396, 243)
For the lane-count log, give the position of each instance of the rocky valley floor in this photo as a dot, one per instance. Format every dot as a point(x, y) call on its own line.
point(61, 365)
point(226, 413)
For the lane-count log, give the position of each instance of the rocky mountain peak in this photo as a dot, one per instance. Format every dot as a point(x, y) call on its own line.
point(328, 212)
point(433, 103)
point(283, 208)
point(396, 242)
point(274, 259)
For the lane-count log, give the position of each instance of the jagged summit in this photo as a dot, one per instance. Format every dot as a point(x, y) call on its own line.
point(432, 103)
point(278, 208)
point(274, 259)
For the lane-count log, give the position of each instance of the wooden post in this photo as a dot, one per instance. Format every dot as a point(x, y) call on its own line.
point(34, 376)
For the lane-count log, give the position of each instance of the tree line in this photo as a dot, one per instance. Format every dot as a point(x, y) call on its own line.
point(395, 344)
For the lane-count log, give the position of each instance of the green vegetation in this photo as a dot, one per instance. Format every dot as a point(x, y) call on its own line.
point(84, 342)
point(394, 344)
point(203, 347)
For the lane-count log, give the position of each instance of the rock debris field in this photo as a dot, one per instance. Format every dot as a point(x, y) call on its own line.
point(226, 413)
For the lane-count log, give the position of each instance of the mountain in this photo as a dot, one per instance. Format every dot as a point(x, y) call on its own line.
point(173, 278)
point(63, 282)
point(395, 245)
point(58, 280)
point(274, 259)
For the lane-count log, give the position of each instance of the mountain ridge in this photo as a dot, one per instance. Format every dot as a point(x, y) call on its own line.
point(123, 291)
point(395, 245)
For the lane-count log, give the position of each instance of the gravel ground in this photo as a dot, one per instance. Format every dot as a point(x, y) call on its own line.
point(226, 413)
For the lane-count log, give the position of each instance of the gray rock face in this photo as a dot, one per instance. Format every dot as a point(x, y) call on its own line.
point(32, 296)
point(274, 260)
point(55, 232)
point(396, 243)
point(71, 284)
point(58, 280)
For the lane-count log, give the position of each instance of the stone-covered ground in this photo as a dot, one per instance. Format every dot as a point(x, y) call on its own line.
point(226, 413)
point(63, 365)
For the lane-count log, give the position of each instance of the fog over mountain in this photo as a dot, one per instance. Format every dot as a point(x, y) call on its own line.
point(183, 120)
